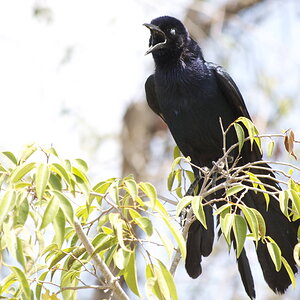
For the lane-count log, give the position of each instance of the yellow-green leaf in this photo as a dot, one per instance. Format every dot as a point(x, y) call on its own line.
point(19, 172)
point(177, 235)
point(65, 206)
point(239, 231)
point(198, 210)
point(50, 212)
point(6, 201)
point(130, 274)
point(169, 280)
point(23, 282)
point(275, 254)
point(234, 189)
point(41, 179)
point(185, 201)
point(240, 135)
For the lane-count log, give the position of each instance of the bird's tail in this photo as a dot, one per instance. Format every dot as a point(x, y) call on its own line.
point(278, 227)
point(199, 243)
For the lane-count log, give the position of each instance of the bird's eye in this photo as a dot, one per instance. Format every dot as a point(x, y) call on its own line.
point(172, 31)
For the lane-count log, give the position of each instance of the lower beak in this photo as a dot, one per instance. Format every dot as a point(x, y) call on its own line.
point(155, 30)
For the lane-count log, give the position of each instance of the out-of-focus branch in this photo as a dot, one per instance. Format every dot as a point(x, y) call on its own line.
point(201, 17)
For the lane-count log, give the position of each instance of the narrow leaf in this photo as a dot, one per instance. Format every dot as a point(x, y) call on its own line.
point(198, 210)
point(21, 171)
point(275, 254)
point(234, 189)
point(23, 282)
point(130, 274)
point(50, 212)
point(169, 280)
point(65, 205)
point(239, 231)
point(185, 201)
point(41, 179)
point(240, 135)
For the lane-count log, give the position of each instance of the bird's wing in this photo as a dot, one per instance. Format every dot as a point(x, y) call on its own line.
point(230, 90)
point(151, 96)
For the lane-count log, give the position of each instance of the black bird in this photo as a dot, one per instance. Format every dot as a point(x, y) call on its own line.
point(191, 95)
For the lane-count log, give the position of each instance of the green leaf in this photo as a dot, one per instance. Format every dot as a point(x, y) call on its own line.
point(252, 221)
point(198, 210)
point(130, 274)
point(149, 190)
point(145, 224)
point(82, 165)
point(171, 178)
point(80, 174)
point(118, 223)
point(7, 200)
point(283, 202)
point(226, 223)
point(240, 135)
point(275, 254)
point(261, 222)
point(20, 171)
point(59, 224)
point(23, 210)
point(162, 284)
point(289, 271)
point(132, 188)
point(152, 283)
point(295, 200)
point(271, 148)
point(185, 201)
point(41, 180)
point(235, 189)
point(177, 235)
point(167, 243)
point(239, 231)
point(10, 156)
point(222, 208)
point(169, 280)
point(38, 288)
point(27, 151)
point(65, 206)
point(176, 152)
point(23, 282)
point(50, 212)
point(61, 171)
point(20, 254)
point(252, 131)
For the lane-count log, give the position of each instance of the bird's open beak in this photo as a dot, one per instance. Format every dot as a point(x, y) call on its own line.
point(156, 31)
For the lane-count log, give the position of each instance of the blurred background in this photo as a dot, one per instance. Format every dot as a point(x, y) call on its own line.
point(72, 75)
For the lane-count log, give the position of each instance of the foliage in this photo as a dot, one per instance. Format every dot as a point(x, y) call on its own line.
point(40, 204)
point(56, 226)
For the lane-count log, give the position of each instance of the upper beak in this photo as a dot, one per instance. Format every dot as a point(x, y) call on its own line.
point(155, 29)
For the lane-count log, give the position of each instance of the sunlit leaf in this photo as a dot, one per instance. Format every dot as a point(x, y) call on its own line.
point(41, 179)
point(240, 135)
point(23, 282)
point(234, 189)
point(21, 171)
point(198, 210)
point(184, 202)
point(275, 254)
point(65, 205)
point(169, 280)
point(6, 201)
point(50, 212)
point(130, 274)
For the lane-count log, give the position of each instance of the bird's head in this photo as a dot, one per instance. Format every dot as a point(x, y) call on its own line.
point(168, 36)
